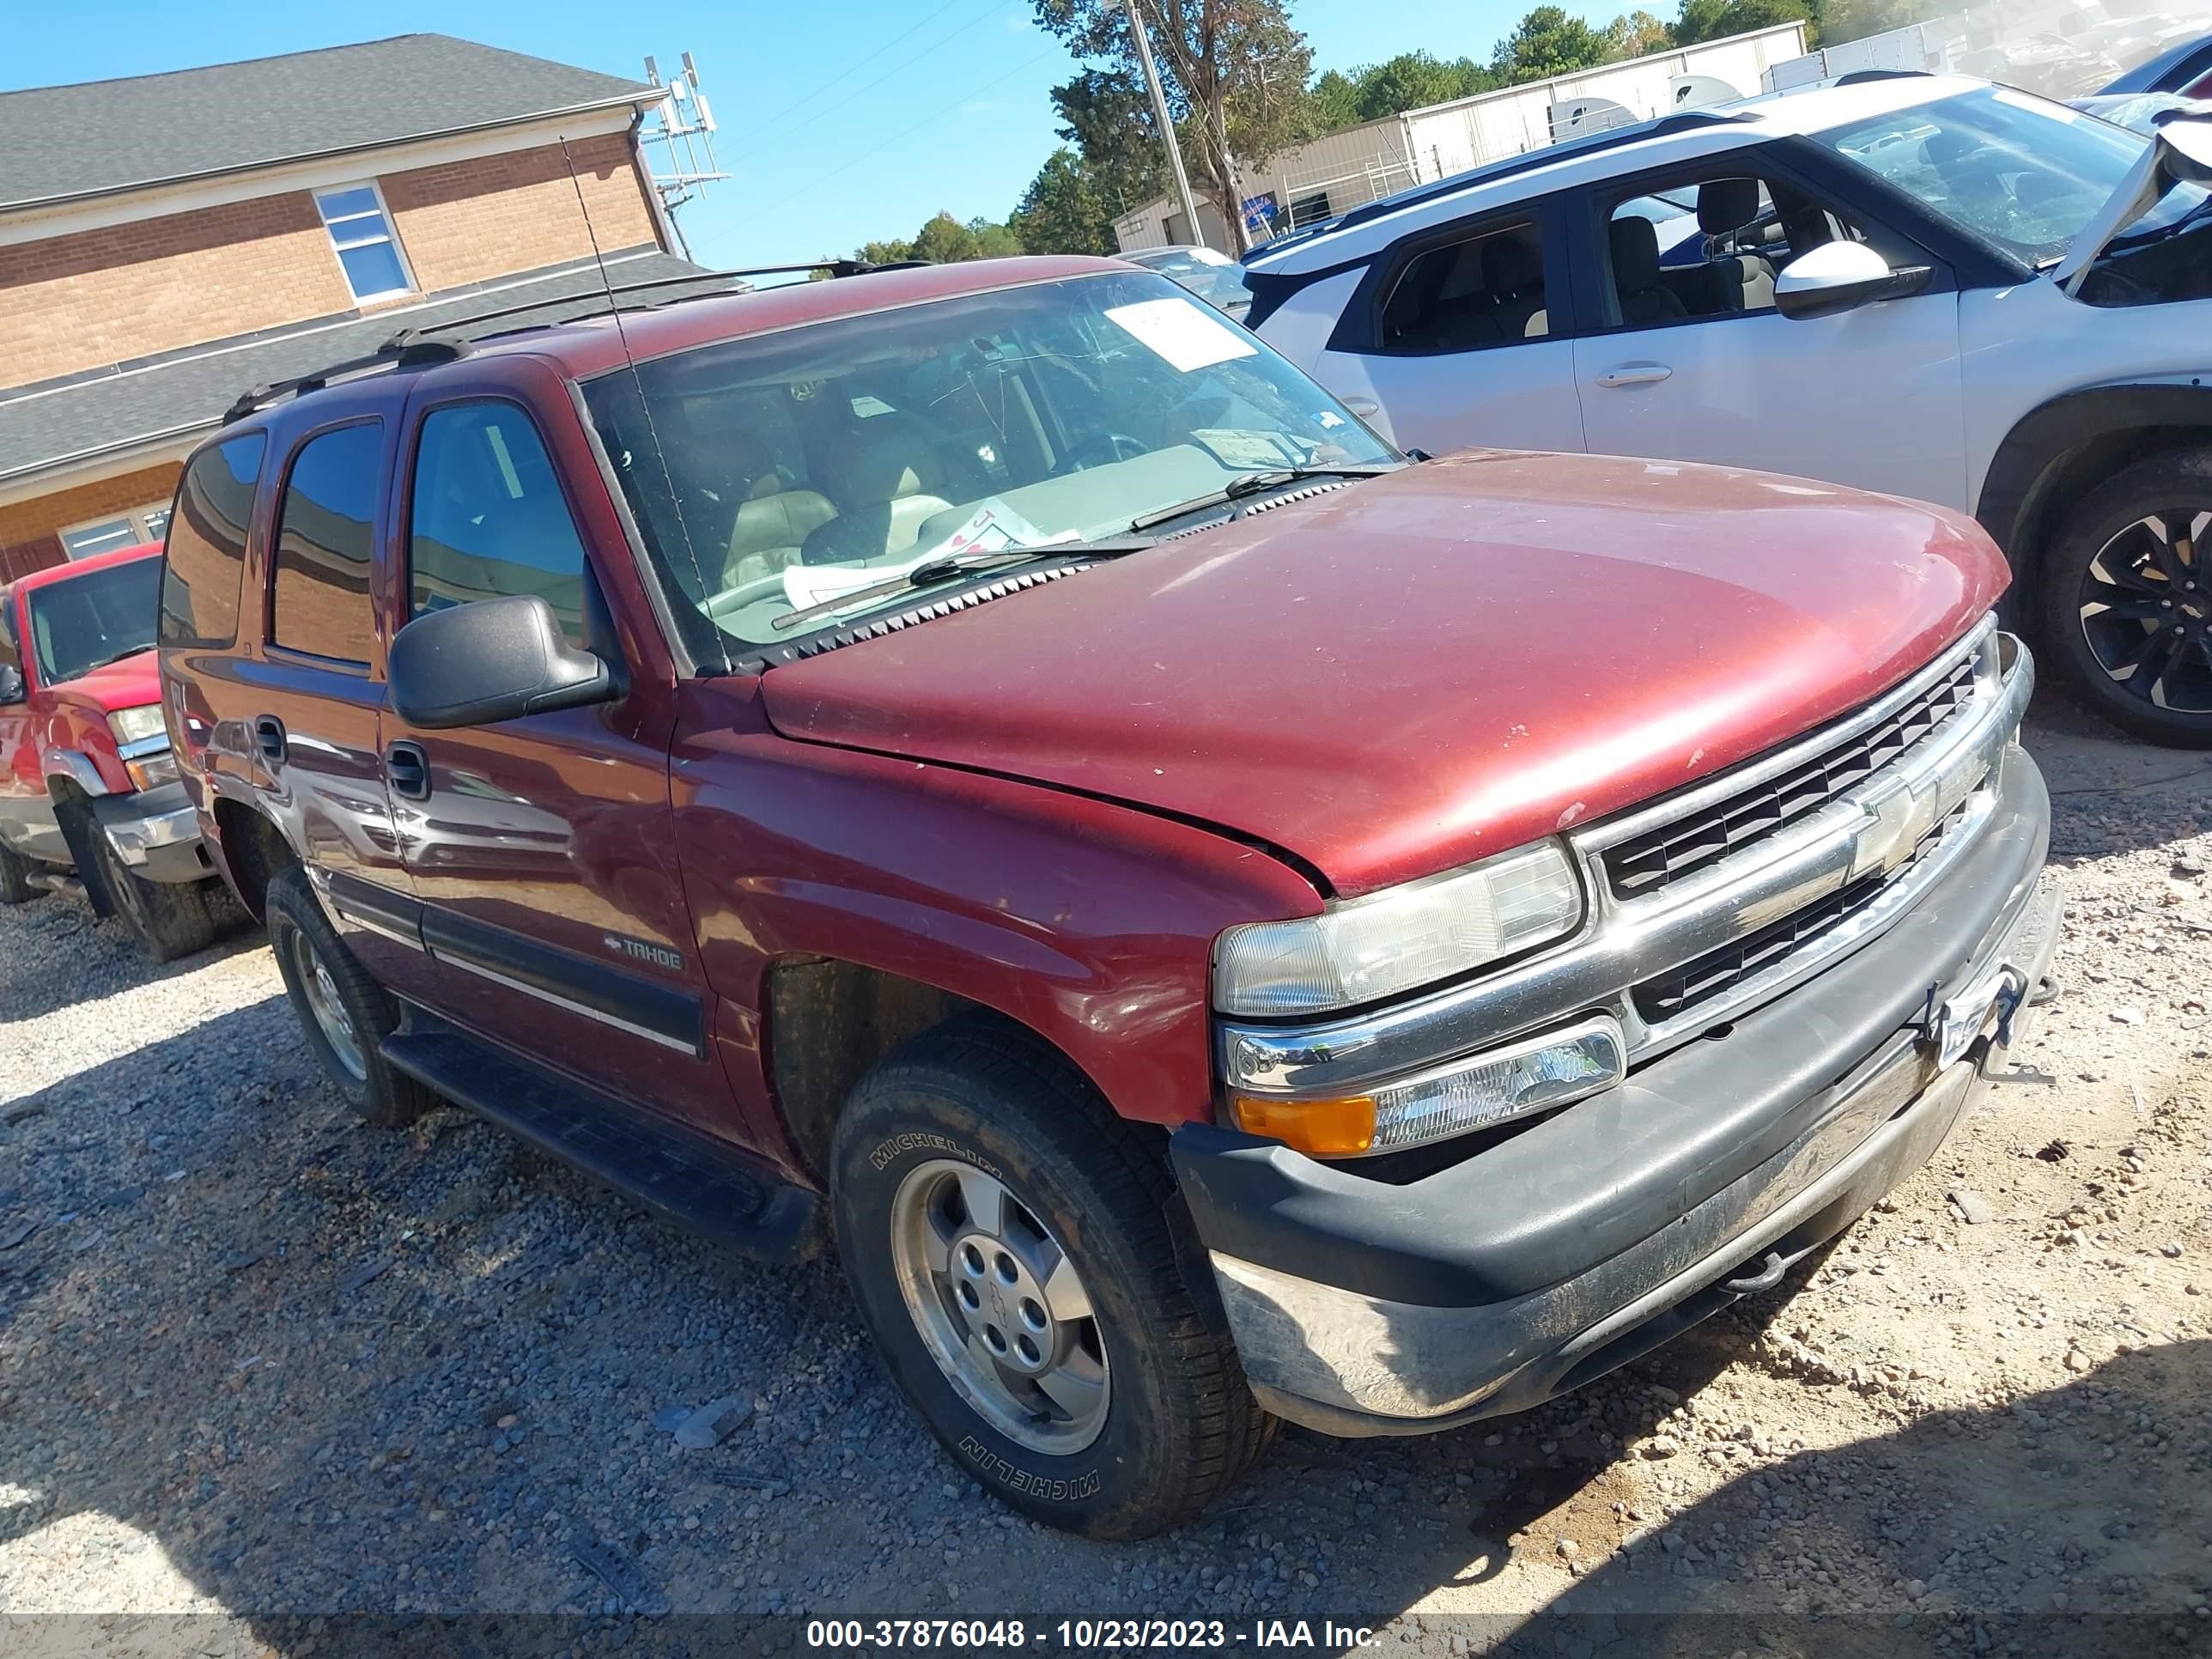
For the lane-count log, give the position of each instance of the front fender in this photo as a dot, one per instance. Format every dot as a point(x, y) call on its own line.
point(1088, 922)
point(2023, 490)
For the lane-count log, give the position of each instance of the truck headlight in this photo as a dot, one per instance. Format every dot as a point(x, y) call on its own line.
point(1533, 1074)
point(1401, 939)
point(136, 724)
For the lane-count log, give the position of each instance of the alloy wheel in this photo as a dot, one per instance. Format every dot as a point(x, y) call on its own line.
point(2146, 609)
point(1000, 1307)
point(328, 1007)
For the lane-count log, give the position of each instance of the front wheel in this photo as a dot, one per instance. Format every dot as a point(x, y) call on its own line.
point(1012, 1246)
point(2126, 592)
point(169, 919)
point(15, 878)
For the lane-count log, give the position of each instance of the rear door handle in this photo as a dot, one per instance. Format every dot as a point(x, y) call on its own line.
point(268, 733)
point(1634, 374)
point(407, 768)
point(1363, 407)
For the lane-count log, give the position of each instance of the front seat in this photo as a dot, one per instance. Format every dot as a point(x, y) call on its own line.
point(1645, 300)
point(881, 504)
point(1739, 281)
point(1513, 271)
point(772, 524)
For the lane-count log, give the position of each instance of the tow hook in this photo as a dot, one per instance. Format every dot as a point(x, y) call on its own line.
point(1953, 1025)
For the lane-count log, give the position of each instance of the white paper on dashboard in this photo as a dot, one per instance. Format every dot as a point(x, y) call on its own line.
point(992, 527)
point(1182, 331)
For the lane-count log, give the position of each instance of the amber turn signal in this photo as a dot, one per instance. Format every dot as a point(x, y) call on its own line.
point(1319, 1128)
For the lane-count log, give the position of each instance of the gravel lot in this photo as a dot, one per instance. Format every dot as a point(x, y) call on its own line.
point(262, 1366)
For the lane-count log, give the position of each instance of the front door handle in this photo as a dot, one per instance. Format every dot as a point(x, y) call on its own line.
point(1634, 374)
point(407, 768)
point(269, 734)
point(1363, 407)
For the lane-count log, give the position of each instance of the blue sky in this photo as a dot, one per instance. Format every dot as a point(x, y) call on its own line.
point(841, 121)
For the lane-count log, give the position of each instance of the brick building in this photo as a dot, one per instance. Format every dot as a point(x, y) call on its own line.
point(168, 240)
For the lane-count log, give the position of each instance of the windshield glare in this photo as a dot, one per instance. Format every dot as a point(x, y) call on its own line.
point(98, 618)
point(2025, 173)
point(774, 473)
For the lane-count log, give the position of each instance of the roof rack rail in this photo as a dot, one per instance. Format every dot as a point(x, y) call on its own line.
point(1860, 77)
point(1558, 149)
point(414, 347)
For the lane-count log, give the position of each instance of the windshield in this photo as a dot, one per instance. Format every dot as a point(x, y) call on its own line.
point(1212, 277)
point(779, 473)
point(2025, 173)
point(98, 618)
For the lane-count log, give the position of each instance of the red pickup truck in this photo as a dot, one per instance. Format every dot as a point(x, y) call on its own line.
point(1222, 921)
point(87, 780)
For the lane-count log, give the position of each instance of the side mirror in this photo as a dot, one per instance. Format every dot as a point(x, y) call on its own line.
point(11, 684)
point(492, 660)
point(1842, 276)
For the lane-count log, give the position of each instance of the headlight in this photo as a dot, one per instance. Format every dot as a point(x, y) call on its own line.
point(1399, 940)
point(1535, 1074)
point(136, 725)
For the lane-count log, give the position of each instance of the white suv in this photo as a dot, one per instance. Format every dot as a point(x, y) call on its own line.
point(1926, 285)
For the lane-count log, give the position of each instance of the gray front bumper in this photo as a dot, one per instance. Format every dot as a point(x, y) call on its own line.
point(156, 834)
point(1363, 1308)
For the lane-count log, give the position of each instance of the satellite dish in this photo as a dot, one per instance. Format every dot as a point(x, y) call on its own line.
point(1700, 92)
point(1578, 115)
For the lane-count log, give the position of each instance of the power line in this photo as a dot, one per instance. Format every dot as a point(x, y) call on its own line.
point(967, 94)
point(775, 120)
point(898, 69)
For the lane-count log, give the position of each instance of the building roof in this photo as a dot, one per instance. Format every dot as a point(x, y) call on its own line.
point(182, 393)
point(65, 144)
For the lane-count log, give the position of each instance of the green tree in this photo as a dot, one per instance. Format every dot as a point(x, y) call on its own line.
point(1548, 42)
point(1234, 71)
point(1108, 116)
point(1335, 99)
point(993, 240)
point(1716, 19)
point(1636, 34)
point(884, 253)
point(1413, 80)
point(1064, 210)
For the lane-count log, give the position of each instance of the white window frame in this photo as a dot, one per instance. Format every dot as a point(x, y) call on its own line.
point(391, 238)
point(139, 518)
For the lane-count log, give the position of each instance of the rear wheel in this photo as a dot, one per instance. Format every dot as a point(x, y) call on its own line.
point(1012, 1247)
point(2127, 599)
point(169, 919)
point(345, 1012)
point(15, 877)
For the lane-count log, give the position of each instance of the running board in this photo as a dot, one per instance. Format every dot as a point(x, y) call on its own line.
point(678, 1174)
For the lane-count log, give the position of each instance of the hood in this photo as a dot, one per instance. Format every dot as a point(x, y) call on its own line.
point(126, 684)
point(1404, 674)
point(2179, 153)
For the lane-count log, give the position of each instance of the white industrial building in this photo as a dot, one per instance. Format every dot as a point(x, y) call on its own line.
point(1312, 180)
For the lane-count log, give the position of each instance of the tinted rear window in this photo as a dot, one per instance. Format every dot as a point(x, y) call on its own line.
point(207, 543)
point(325, 535)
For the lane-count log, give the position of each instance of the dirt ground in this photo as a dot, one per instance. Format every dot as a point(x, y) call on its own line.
point(264, 1373)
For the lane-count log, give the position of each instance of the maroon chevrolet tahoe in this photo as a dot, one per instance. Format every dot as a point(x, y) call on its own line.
point(1219, 921)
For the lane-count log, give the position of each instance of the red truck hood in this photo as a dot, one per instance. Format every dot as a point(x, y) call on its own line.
point(127, 684)
point(1401, 676)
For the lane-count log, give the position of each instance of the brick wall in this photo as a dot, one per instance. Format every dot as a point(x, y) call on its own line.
point(28, 529)
point(105, 296)
point(473, 220)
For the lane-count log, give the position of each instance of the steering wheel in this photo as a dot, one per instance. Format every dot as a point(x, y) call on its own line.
point(1103, 449)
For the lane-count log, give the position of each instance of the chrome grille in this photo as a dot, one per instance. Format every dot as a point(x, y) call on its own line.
point(1681, 990)
point(1647, 862)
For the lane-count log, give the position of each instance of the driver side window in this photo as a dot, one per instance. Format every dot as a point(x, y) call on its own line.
point(488, 520)
point(1702, 247)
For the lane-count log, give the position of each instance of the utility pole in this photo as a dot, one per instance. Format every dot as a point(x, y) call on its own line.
point(1166, 126)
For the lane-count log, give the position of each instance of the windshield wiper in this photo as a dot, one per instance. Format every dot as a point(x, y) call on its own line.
point(104, 662)
point(1252, 483)
point(961, 564)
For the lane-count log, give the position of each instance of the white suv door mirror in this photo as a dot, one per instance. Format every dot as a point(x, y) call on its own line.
point(1841, 276)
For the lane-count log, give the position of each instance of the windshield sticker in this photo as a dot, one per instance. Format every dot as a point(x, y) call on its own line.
point(1182, 332)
